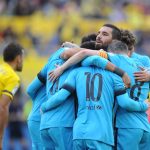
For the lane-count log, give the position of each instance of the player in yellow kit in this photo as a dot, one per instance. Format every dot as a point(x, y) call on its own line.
point(9, 81)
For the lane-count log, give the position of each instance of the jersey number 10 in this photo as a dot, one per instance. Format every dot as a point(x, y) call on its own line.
point(90, 82)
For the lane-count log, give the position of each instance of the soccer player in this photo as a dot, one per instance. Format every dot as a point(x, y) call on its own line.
point(95, 89)
point(125, 64)
point(37, 91)
point(9, 81)
point(134, 125)
point(131, 126)
point(105, 36)
point(129, 39)
point(57, 122)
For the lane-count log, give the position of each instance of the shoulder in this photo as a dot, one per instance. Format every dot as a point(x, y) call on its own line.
point(10, 74)
point(145, 60)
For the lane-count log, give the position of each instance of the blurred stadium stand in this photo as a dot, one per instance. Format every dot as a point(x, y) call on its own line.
point(42, 25)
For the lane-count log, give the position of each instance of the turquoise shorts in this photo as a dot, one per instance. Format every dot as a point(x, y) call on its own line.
point(90, 145)
point(133, 139)
point(34, 130)
point(57, 138)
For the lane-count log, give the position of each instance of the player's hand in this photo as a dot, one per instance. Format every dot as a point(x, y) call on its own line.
point(126, 80)
point(147, 102)
point(53, 75)
point(143, 75)
point(103, 53)
point(69, 45)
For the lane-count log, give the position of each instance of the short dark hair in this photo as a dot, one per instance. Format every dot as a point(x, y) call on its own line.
point(117, 47)
point(116, 33)
point(88, 38)
point(88, 45)
point(128, 38)
point(11, 51)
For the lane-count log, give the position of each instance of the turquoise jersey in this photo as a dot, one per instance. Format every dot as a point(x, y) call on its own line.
point(38, 97)
point(95, 96)
point(144, 60)
point(37, 90)
point(62, 116)
point(138, 92)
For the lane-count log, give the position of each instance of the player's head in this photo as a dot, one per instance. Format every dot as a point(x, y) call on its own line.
point(118, 47)
point(106, 34)
point(13, 53)
point(88, 38)
point(128, 38)
point(88, 45)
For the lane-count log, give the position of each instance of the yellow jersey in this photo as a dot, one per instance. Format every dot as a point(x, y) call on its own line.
point(9, 80)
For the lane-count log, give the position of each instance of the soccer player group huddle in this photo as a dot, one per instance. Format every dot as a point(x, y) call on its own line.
point(92, 96)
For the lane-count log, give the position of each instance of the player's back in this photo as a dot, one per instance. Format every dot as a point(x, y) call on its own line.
point(63, 115)
point(95, 91)
point(138, 91)
point(41, 94)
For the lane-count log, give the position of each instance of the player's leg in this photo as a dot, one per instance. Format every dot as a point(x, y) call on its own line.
point(129, 139)
point(62, 138)
point(34, 130)
point(145, 142)
point(46, 140)
point(93, 144)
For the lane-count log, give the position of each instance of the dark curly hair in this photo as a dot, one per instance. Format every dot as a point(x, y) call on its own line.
point(128, 38)
point(88, 38)
point(11, 51)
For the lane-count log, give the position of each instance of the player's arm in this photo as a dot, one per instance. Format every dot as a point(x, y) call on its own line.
point(69, 52)
point(77, 56)
point(55, 100)
point(61, 96)
point(33, 87)
point(10, 88)
point(127, 103)
point(4, 113)
point(37, 82)
point(105, 64)
point(70, 45)
point(123, 99)
point(144, 74)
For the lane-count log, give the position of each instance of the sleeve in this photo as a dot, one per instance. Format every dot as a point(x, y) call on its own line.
point(127, 103)
point(42, 75)
point(11, 86)
point(55, 100)
point(123, 99)
point(146, 62)
point(70, 82)
point(113, 58)
point(60, 96)
point(119, 87)
point(95, 61)
point(33, 87)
